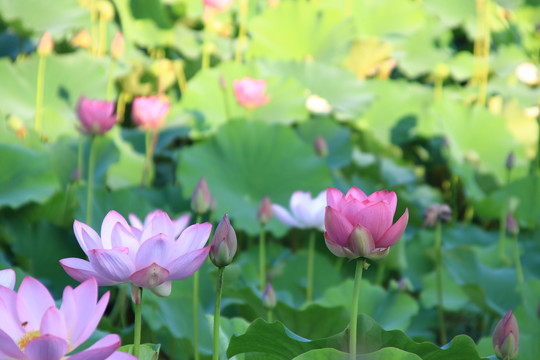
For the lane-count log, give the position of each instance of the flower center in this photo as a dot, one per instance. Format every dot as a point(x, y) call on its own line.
point(25, 339)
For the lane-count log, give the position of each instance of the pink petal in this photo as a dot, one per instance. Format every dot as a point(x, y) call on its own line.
point(53, 323)
point(107, 226)
point(113, 264)
point(33, 299)
point(378, 196)
point(283, 215)
point(157, 249)
point(334, 198)
point(377, 218)
point(70, 311)
point(9, 348)
point(82, 270)
point(334, 248)
point(122, 237)
point(9, 297)
point(193, 238)
point(10, 323)
point(160, 223)
point(90, 314)
point(87, 237)
point(150, 276)
point(102, 349)
point(184, 266)
point(355, 193)
point(394, 233)
point(135, 221)
point(7, 278)
point(180, 224)
point(337, 226)
point(46, 347)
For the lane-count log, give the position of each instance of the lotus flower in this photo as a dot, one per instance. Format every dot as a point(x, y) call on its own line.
point(96, 117)
point(33, 328)
point(137, 227)
point(201, 199)
point(361, 226)
point(506, 337)
point(149, 113)
point(249, 92)
point(264, 213)
point(150, 260)
point(7, 278)
point(307, 213)
point(224, 243)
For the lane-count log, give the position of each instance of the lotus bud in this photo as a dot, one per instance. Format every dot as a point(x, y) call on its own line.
point(264, 214)
point(106, 10)
point(75, 175)
point(506, 337)
point(201, 200)
point(321, 148)
point(437, 212)
point(510, 160)
point(82, 39)
point(118, 46)
point(46, 44)
point(224, 243)
point(136, 294)
point(512, 226)
point(269, 297)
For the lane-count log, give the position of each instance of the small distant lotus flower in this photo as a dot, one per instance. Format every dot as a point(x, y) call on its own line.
point(150, 260)
point(269, 297)
point(96, 116)
point(224, 243)
point(118, 46)
point(33, 328)
point(219, 5)
point(306, 213)
point(510, 160)
point(46, 44)
point(250, 93)
point(137, 227)
point(527, 73)
point(321, 147)
point(506, 337)
point(82, 39)
point(318, 105)
point(437, 212)
point(106, 10)
point(201, 199)
point(361, 226)
point(7, 278)
point(149, 113)
point(264, 213)
point(512, 226)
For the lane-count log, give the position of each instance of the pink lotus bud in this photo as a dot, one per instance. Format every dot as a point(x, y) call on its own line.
point(136, 294)
point(201, 199)
point(46, 44)
point(437, 212)
point(269, 297)
point(149, 113)
point(96, 117)
point(264, 214)
point(512, 226)
point(224, 243)
point(219, 5)
point(321, 148)
point(118, 46)
point(510, 160)
point(250, 93)
point(506, 337)
point(82, 39)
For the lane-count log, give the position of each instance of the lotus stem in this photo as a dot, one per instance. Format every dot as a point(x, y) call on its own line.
point(196, 307)
point(262, 258)
point(311, 255)
point(90, 188)
point(502, 222)
point(438, 264)
point(80, 158)
point(110, 80)
point(242, 32)
point(102, 36)
point(39, 92)
point(138, 325)
point(269, 315)
point(217, 306)
point(354, 308)
point(148, 170)
point(94, 26)
point(519, 269)
point(206, 46)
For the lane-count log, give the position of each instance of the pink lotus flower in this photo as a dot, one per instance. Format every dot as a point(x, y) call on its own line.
point(137, 227)
point(7, 278)
point(33, 328)
point(149, 113)
point(150, 260)
point(506, 337)
point(97, 117)
point(250, 92)
point(361, 226)
point(307, 213)
point(219, 5)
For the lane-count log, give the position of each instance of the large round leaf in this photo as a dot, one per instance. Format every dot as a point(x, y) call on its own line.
point(247, 161)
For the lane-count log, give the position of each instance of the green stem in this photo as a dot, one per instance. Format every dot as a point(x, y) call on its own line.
point(138, 326)
point(438, 256)
point(311, 255)
point(205, 50)
point(262, 259)
point(269, 315)
point(102, 36)
point(89, 194)
point(354, 308)
point(380, 273)
point(502, 221)
point(517, 260)
point(226, 103)
point(242, 32)
point(148, 170)
point(110, 80)
point(339, 264)
point(39, 93)
point(217, 306)
point(438, 89)
point(94, 26)
point(196, 307)
point(80, 158)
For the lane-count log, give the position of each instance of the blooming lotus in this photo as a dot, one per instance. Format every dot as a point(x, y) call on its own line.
point(137, 227)
point(33, 328)
point(250, 93)
point(307, 213)
point(361, 226)
point(150, 259)
point(96, 117)
point(149, 113)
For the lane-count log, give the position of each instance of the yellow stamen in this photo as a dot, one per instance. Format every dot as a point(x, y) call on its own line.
point(26, 338)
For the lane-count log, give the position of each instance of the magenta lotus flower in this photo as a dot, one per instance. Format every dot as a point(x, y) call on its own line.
point(150, 259)
point(219, 5)
point(33, 328)
point(149, 113)
point(7, 278)
point(361, 226)
point(506, 337)
point(250, 93)
point(137, 227)
point(307, 213)
point(96, 116)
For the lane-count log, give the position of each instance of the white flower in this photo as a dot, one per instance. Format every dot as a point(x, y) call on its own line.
point(318, 105)
point(527, 73)
point(307, 213)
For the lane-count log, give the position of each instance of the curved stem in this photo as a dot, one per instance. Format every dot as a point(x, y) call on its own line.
point(138, 326)
point(311, 255)
point(354, 308)
point(438, 254)
point(90, 188)
point(262, 259)
point(217, 306)
point(39, 93)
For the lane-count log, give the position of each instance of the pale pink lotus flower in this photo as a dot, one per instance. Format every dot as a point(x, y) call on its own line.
point(219, 5)
point(150, 260)
point(33, 328)
point(96, 116)
point(7, 278)
point(250, 93)
point(306, 212)
point(149, 113)
point(137, 226)
point(361, 226)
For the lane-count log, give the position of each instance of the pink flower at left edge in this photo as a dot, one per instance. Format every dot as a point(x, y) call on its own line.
point(150, 259)
point(96, 117)
point(33, 328)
